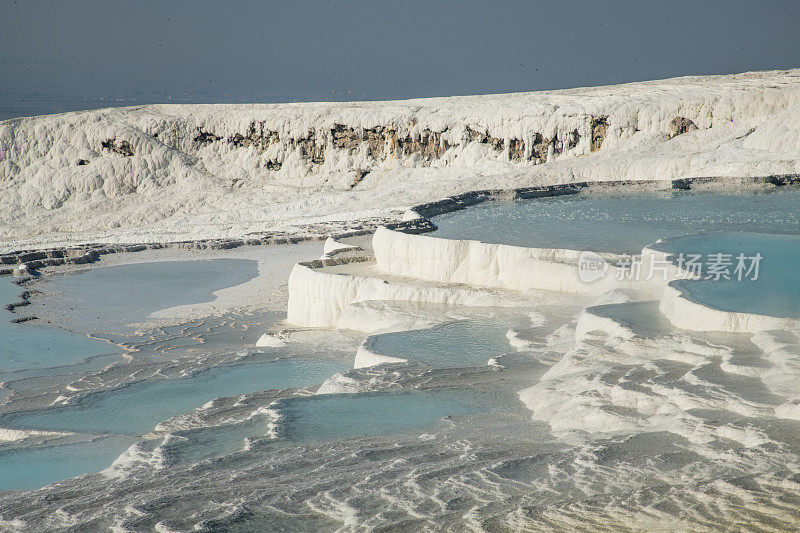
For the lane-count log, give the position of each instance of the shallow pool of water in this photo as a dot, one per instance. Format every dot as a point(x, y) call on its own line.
point(112, 297)
point(136, 409)
point(33, 345)
point(775, 292)
point(33, 468)
point(337, 416)
point(8, 290)
point(623, 223)
point(458, 344)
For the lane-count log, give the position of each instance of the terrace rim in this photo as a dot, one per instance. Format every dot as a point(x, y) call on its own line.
point(417, 219)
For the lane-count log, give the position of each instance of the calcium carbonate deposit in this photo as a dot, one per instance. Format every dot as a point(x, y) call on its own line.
point(546, 311)
point(177, 172)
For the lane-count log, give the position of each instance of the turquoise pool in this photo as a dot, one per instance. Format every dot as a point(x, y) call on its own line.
point(621, 223)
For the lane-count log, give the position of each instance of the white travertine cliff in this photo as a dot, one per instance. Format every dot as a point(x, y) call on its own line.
point(176, 172)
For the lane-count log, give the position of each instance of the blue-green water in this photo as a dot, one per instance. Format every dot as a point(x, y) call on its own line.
point(125, 294)
point(775, 292)
point(35, 345)
point(205, 443)
point(33, 468)
point(8, 290)
point(111, 298)
point(130, 412)
point(135, 410)
point(621, 223)
point(459, 344)
point(337, 416)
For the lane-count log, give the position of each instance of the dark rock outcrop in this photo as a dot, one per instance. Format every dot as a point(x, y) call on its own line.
point(205, 137)
point(484, 138)
point(257, 135)
point(539, 149)
point(516, 149)
point(599, 130)
point(376, 139)
point(309, 148)
point(388, 142)
point(429, 144)
point(118, 147)
point(345, 137)
point(569, 142)
point(680, 125)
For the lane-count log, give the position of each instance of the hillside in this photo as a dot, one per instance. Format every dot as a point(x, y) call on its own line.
point(173, 172)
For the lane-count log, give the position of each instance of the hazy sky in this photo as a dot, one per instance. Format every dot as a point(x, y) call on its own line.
point(335, 50)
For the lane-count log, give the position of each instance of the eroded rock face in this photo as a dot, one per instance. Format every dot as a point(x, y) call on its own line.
point(516, 150)
point(344, 137)
point(376, 139)
point(569, 142)
point(484, 138)
point(257, 135)
point(680, 125)
point(599, 130)
point(118, 147)
point(384, 143)
point(309, 148)
point(539, 148)
point(429, 144)
point(205, 137)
